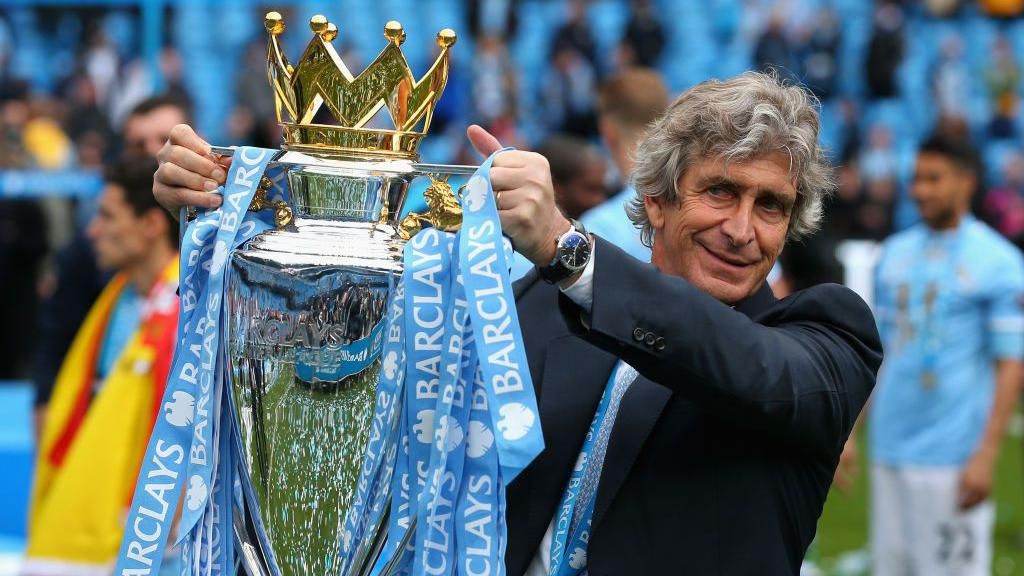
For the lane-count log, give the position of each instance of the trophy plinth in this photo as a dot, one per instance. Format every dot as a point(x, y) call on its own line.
point(306, 301)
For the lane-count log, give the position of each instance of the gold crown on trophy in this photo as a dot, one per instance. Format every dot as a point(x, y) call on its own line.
point(321, 79)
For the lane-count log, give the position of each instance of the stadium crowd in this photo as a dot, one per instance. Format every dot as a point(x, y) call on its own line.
point(573, 79)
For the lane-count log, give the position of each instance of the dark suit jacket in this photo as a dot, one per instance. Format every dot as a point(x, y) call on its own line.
point(725, 446)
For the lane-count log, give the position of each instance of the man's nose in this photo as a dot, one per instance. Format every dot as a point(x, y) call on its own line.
point(739, 226)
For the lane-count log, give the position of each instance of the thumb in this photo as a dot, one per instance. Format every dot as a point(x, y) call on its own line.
point(483, 141)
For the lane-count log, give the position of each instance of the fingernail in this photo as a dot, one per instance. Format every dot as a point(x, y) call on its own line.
point(218, 175)
point(216, 201)
point(210, 185)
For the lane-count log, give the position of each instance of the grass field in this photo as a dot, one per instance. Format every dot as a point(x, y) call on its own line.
point(843, 528)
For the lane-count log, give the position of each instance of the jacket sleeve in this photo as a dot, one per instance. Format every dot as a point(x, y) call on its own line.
point(802, 369)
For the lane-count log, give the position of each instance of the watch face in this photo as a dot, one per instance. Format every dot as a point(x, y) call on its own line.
point(574, 250)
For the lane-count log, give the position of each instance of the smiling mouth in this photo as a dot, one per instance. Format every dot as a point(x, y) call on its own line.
point(726, 260)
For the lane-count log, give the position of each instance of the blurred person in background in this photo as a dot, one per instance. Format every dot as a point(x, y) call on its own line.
point(576, 35)
point(498, 17)
point(1001, 78)
point(819, 54)
point(885, 51)
point(110, 383)
point(806, 264)
point(577, 173)
point(85, 118)
point(1002, 8)
point(567, 95)
point(645, 36)
point(878, 159)
point(627, 104)
point(23, 243)
point(942, 8)
point(253, 121)
point(773, 50)
point(494, 81)
point(1003, 206)
point(875, 203)
point(149, 123)
point(951, 79)
point(78, 281)
point(948, 304)
point(101, 63)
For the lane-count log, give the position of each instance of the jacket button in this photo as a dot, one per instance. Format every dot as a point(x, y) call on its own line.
point(650, 338)
point(659, 344)
point(638, 334)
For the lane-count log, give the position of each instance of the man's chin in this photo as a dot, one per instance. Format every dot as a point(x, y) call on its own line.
point(723, 290)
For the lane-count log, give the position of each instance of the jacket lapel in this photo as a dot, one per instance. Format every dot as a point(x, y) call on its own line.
point(639, 410)
point(575, 374)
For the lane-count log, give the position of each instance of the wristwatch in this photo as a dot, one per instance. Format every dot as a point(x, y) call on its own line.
point(572, 252)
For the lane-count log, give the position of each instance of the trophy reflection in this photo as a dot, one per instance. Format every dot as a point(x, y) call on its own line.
point(306, 301)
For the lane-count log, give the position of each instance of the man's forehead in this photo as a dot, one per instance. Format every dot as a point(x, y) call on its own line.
point(772, 171)
point(113, 195)
point(169, 115)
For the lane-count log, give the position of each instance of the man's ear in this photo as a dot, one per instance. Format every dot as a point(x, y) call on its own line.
point(155, 222)
point(655, 212)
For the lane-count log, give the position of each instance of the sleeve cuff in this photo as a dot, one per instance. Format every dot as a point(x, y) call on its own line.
point(581, 292)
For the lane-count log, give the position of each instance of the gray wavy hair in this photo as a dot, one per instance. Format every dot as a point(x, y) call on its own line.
point(742, 118)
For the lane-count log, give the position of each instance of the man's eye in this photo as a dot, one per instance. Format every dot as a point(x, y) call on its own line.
point(718, 192)
point(772, 205)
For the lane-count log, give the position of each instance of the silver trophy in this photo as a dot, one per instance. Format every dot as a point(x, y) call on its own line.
point(307, 300)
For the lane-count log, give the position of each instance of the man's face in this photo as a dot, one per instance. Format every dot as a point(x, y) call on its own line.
point(146, 133)
point(118, 235)
point(941, 189)
point(584, 191)
point(727, 226)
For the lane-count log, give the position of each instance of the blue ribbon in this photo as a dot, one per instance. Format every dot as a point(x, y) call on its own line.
point(467, 375)
point(564, 559)
point(513, 404)
point(571, 535)
point(377, 465)
point(181, 448)
point(480, 520)
point(435, 549)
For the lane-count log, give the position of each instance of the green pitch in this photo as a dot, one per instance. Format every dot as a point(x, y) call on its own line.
point(843, 527)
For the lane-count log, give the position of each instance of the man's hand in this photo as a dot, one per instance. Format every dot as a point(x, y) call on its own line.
point(525, 198)
point(976, 479)
point(848, 467)
point(188, 172)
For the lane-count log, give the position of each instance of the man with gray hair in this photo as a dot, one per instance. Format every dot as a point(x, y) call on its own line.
point(692, 422)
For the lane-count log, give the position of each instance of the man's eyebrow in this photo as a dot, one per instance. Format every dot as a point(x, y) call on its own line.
point(717, 180)
point(785, 199)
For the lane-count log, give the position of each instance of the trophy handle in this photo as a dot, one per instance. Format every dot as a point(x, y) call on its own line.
point(283, 158)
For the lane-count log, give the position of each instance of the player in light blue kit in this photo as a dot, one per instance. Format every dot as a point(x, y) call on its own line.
point(627, 103)
point(949, 297)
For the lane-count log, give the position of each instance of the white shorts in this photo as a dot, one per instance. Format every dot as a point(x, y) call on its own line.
point(917, 529)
